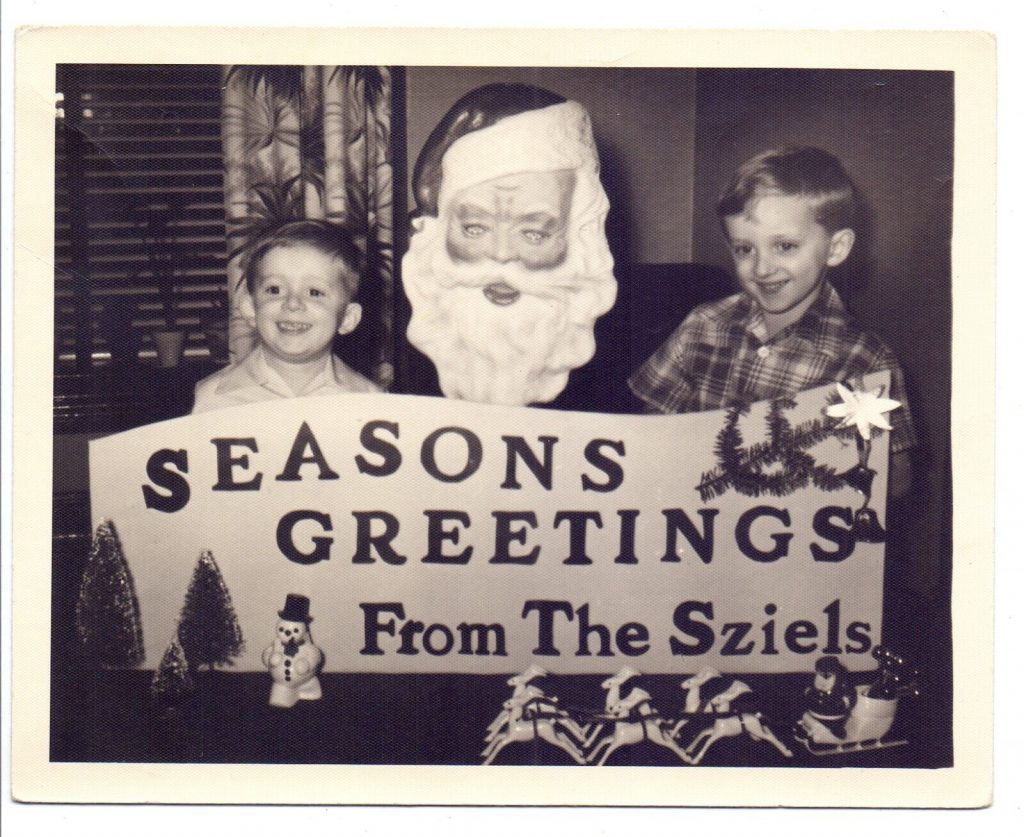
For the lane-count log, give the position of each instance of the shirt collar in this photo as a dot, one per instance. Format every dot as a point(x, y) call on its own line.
point(265, 375)
point(825, 316)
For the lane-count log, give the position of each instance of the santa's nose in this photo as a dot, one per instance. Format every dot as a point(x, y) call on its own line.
point(502, 251)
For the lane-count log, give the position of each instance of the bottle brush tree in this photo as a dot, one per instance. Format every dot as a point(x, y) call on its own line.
point(208, 628)
point(172, 680)
point(107, 612)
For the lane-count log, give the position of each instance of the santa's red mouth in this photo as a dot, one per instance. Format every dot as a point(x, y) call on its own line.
point(501, 294)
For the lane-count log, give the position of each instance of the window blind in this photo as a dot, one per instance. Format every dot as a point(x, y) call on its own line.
point(140, 237)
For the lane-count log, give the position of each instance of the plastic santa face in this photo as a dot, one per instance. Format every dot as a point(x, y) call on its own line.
point(507, 281)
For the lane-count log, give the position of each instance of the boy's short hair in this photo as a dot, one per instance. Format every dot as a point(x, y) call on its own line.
point(801, 171)
point(330, 239)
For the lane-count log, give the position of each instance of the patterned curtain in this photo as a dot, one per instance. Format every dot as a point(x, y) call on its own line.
point(313, 142)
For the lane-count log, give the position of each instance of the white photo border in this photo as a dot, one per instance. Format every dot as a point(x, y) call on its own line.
point(969, 55)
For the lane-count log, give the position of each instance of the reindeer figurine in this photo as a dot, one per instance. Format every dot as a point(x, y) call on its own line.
point(526, 723)
point(697, 697)
point(530, 714)
point(519, 682)
point(613, 707)
point(738, 706)
point(613, 688)
point(634, 718)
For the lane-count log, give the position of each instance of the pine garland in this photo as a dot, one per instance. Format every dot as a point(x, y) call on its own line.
point(744, 469)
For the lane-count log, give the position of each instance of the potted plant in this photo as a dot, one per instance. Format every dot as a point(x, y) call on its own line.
point(158, 233)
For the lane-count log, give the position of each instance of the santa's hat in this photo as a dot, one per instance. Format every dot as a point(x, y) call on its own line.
point(501, 129)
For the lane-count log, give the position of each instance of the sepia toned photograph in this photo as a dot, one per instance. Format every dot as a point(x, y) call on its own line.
point(500, 415)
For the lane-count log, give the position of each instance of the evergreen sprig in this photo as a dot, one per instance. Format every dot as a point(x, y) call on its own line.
point(745, 469)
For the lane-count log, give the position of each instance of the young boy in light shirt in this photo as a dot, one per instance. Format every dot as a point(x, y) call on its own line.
point(300, 280)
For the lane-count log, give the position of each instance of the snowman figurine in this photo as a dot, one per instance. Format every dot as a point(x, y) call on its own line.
point(293, 659)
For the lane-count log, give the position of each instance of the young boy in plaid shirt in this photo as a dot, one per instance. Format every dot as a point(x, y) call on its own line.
point(787, 215)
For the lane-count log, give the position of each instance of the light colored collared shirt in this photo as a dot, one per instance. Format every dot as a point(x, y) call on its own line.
point(253, 379)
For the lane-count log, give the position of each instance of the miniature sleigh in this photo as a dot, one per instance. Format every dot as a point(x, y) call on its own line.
point(869, 722)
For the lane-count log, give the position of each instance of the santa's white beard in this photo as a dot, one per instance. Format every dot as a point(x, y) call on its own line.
point(514, 354)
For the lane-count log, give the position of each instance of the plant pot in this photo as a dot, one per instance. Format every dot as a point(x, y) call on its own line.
point(169, 346)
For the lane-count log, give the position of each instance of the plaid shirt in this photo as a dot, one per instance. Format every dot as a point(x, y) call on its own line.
point(721, 355)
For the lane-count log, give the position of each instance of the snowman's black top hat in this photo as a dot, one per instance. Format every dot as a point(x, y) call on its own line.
point(296, 609)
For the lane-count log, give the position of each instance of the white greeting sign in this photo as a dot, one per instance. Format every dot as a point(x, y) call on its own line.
point(434, 535)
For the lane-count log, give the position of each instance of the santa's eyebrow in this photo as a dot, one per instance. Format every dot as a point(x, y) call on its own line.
point(472, 210)
point(542, 218)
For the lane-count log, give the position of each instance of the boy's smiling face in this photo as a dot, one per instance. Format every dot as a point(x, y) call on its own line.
point(781, 252)
point(299, 302)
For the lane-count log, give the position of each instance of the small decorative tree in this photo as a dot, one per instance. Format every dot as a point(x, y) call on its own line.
point(208, 628)
point(107, 612)
point(172, 680)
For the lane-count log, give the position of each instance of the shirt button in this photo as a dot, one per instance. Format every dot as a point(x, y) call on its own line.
point(763, 352)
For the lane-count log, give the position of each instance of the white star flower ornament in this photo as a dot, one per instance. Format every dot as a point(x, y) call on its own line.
point(863, 409)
